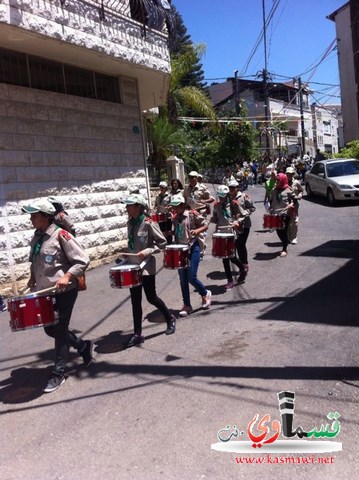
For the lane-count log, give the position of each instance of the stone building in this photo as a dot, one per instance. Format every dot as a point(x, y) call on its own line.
point(75, 77)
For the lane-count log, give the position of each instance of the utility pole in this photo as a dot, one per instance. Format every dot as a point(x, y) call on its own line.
point(265, 78)
point(301, 115)
point(236, 94)
point(354, 20)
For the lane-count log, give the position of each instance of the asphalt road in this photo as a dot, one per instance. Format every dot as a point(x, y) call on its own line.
point(153, 412)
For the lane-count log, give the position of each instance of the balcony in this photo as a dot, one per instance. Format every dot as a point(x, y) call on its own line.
point(127, 38)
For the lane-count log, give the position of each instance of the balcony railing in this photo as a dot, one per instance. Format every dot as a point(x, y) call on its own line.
point(153, 14)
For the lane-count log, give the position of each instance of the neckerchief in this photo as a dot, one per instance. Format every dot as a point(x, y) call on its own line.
point(131, 236)
point(225, 212)
point(37, 247)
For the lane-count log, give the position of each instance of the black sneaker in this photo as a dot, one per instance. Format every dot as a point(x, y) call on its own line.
point(55, 381)
point(171, 326)
point(136, 339)
point(3, 307)
point(86, 353)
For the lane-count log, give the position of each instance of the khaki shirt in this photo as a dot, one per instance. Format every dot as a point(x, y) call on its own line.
point(280, 200)
point(183, 224)
point(162, 201)
point(234, 212)
point(195, 196)
point(148, 237)
point(60, 253)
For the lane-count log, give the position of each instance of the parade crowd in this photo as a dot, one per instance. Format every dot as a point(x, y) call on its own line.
point(177, 225)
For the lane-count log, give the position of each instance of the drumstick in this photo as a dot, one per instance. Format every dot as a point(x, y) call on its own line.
point(49, 289)
point(226, 226)
point(126, 254)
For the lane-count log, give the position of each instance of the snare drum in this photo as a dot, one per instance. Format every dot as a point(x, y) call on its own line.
point(159, 217)
point(223, 245)
point(32, 311)
point(125, 276)
point(273, 221)
point(176, 256)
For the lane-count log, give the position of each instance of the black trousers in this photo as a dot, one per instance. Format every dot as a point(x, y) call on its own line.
point(227, 267)
point(241, 241)
point(60, 332)
point(149, 286)
point(283, 234)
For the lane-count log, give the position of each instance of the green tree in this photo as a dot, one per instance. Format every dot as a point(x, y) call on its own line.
point(185, 100)
point(350, 151)
point(179, 41)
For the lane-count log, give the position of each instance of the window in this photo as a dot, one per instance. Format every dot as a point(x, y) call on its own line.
point(46, 75)
point(36, 72)
point(79, 82)
point(326, 128)
point(13, 68)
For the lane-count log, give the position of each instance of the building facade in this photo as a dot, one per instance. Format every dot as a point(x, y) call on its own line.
point(347, 33)
point(74, 80)
point(286, 126)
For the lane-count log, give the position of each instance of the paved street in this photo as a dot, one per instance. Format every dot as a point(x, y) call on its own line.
point(153, 412)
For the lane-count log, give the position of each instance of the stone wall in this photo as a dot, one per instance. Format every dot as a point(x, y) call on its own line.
point(85, 151)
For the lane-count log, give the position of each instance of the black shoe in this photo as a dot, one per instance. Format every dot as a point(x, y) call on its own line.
point(55, 381)
point(3, 307)
point(171, 326)
point(136, 339)
point(86, 353)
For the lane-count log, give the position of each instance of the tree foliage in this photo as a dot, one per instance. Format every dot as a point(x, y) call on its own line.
point(350, 151)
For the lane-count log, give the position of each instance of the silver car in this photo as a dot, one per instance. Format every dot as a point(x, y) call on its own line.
point(336, 179)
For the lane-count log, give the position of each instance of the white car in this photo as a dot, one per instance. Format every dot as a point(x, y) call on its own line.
point(336, 179)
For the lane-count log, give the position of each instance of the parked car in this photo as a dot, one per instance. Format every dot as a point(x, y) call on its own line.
point(336, 179)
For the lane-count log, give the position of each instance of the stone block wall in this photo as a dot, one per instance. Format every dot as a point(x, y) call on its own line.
point(84, 151)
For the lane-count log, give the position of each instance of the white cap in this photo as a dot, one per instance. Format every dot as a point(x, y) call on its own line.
point(222, 190)
point(41, 205)
point(135, 198)
point(290, 170)
point(233, 183)
point(163, 184)
point(193, 174)
point(177, 200)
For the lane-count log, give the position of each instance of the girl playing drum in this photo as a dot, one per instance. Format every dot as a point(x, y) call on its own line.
point(57, 260)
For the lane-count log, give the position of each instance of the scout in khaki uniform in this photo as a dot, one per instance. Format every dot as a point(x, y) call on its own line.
point(196, 195)
point(144, 239)
point(225, 214)
point(57, 260)
point(189, 227)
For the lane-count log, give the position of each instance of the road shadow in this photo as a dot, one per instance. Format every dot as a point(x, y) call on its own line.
point(24, 385)
point(334, 300)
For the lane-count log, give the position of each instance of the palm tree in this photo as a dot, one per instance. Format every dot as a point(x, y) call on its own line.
point(187, 99)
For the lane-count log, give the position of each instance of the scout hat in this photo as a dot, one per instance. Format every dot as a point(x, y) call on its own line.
point(233, 183)
point(177, 200)
point(41, 205)
point(222, 191)
point(135, 198)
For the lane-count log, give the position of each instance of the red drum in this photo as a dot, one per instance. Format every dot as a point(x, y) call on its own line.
point(159, 217)
point(273, 221)
point(32, 311)
point(125, 276)
point(176, 256)
point(223, 245)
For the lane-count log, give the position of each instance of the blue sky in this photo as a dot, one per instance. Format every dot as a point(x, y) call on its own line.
point(297, 37)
